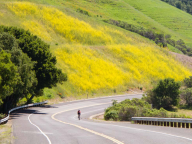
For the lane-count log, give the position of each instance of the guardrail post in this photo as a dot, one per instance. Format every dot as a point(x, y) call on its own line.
point(183, 125)
point(171, 124)
point(165, 123)
point(175, 124)
point(162, 123)
point(149, 122)
point(168, 124)
point(187, 125)
point(156, 123)
point(179, 125)
point(190, 125)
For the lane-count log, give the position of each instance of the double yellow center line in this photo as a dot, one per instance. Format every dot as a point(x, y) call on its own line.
point(80, 127)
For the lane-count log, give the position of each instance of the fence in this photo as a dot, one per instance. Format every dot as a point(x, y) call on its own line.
point(168, 122)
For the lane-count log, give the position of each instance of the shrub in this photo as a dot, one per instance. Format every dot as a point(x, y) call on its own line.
point(48, 93)
point(125, 113)
point(187, 96)
point(127, 109)
point(61, 96)
point(114, 102)
point(165, 94)
point(188, 82)
point(2, 116)
point(83, 11)
point(111, 115)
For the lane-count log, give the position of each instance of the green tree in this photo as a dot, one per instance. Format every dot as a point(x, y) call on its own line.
point(8, 75)
point(188, 82)
point(187, 96)
point(27, 78)
point(47, 74)
point(165, 94)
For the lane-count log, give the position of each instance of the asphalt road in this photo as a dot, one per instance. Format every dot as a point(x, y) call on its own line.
point(58, 124)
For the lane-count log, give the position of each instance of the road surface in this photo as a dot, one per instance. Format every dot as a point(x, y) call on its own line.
point(58, 124)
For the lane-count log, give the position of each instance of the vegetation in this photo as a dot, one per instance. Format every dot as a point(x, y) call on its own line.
point(165, 94)
point(6, 134)
point(187, 96)
point(186, 92)
point(159, 38)
point(98, 57)
point(27, 66)
point(126, 109)
point(185, 5)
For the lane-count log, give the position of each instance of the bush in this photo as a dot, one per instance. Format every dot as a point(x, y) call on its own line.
point(83, 12)
point(2, 116)
point(111, 115)
point(165, 94)
point(187, 96)
point(188, 82)
point(127, 109)
point(126, 113)
point(48, 93)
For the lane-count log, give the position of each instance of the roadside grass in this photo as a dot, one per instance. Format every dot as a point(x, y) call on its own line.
point(5, 133)
point(184, 113)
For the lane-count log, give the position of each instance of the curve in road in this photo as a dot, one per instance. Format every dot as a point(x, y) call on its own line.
point(60, 124)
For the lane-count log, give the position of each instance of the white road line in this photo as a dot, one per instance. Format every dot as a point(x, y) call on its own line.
point(39, 128)
point(155, 132)
point(139, 129)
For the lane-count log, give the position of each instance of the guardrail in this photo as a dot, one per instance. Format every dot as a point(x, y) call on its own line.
point(168, 122)
point(4, 120)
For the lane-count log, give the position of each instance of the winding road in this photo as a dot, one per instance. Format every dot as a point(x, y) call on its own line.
point(58, 124)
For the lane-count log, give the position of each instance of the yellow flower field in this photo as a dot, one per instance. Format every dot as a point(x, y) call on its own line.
point(88, 70)
point(71, 28)
point(95, 57)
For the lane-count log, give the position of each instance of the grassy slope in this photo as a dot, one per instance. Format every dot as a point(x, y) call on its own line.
point(98, 57)
point(149, 13)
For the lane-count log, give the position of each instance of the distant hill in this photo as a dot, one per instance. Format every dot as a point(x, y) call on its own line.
point(100, 57)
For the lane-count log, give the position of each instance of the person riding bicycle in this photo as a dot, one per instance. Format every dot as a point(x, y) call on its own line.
point(79, 113)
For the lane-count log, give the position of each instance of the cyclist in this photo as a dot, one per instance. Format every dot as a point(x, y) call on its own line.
point(79, 113)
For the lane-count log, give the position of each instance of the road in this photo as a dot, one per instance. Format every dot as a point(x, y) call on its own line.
point(58, 124)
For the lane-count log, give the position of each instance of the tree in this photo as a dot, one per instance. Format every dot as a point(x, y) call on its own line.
point(45, 64)
point(27, 78)
point(188, 82)
point(165, 94)
point(179, 5)
point(8, 75)
point(187, 96)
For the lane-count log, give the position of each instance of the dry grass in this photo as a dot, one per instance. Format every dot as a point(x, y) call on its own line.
point(183, 112)
point(6, 133)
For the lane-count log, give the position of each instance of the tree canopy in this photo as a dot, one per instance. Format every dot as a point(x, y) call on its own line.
point(33, 64)
point(165, 94)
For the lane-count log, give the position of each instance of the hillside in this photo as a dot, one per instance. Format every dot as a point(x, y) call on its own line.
point(98, 57)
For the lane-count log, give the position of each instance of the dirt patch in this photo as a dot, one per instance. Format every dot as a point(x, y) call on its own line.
point(99, 117)
point(185, 60)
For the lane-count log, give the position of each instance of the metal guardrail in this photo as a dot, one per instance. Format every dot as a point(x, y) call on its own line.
point(21, 107)
point(169, 122)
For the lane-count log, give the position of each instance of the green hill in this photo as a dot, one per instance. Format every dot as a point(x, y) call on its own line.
point(99, 57)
